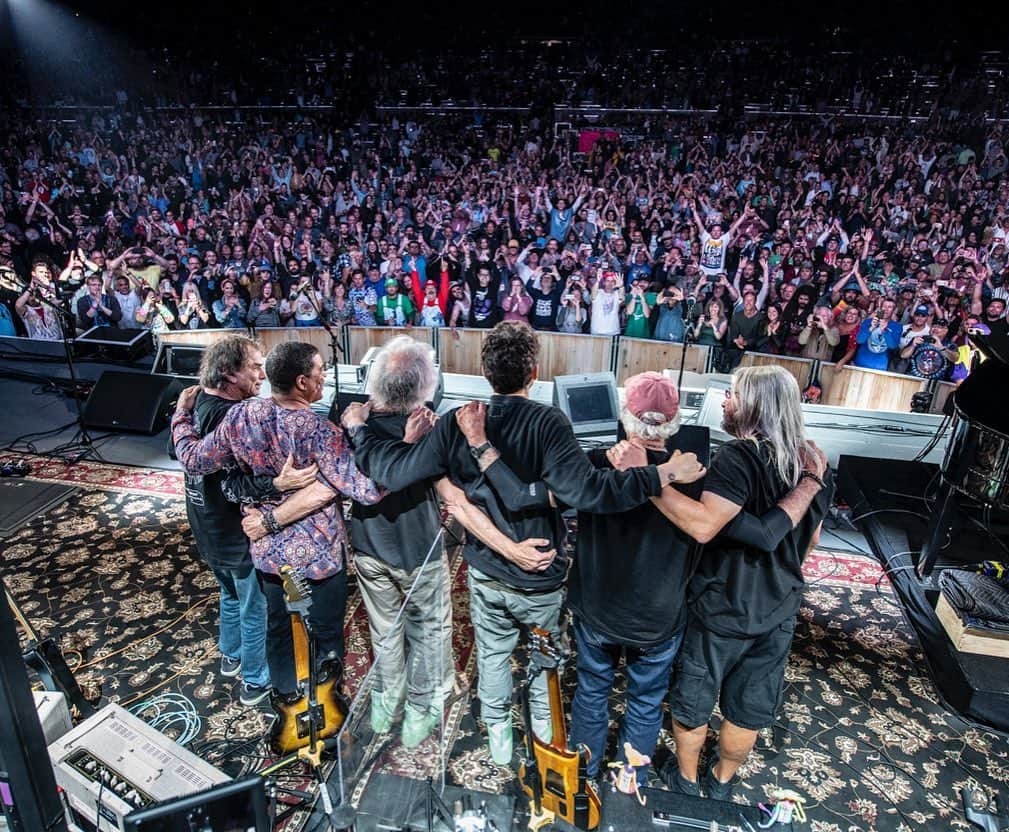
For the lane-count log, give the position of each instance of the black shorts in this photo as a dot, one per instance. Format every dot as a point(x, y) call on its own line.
point(745, 675)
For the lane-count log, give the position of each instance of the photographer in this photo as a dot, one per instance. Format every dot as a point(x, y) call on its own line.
point(192, 313)
point(878, 337)
point(670, 325)
point(639, 308)
point(573, 315)
point(931, 355)
point(517, 303)
point(819, 336)
point(155, 311)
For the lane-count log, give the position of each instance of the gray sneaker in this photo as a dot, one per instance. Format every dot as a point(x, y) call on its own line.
point(230, 667)
point(252, 694)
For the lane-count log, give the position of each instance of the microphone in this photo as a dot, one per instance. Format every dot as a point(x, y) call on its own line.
point(690, 304)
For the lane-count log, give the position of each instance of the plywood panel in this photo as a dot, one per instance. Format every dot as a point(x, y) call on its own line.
point(363, 338)
point(868, 389)
point(638, 355)
point(564, 354)
point(459, 350)
point(798, 367)
point(268, 337)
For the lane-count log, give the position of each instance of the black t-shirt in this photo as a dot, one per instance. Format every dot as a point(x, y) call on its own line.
point(742, 591)
point(216, 522)
point(400, 528)
point(631, 570)
point(537, 443)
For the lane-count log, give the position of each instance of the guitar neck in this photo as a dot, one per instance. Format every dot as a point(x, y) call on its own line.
point(560, 733)
point(300, 637)
point(26, 625)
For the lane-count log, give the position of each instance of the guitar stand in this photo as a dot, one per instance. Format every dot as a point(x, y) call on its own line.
point(312, 753)
point(539, 815)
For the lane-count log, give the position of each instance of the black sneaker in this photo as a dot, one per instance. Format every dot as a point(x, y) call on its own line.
point(676, 782)
point(230, 667)
point(252, 694)
point(714, 788)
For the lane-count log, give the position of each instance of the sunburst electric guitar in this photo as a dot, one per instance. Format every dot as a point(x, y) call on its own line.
point(553, 775)
point(320, 709)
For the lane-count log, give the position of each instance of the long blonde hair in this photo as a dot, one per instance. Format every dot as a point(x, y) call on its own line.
point(769, 407)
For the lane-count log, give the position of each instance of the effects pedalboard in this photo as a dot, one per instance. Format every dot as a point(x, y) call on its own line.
point(114, 763)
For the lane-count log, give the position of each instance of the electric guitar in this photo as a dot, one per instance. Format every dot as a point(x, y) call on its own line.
point(553, 775)
point(320, 699)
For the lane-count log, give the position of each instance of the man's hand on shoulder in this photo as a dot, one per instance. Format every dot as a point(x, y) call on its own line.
point(187, 398)
point(626, 455)
point(293, 479)
point(472, 421)
point(681, 468)
point(419, 425)
point(813, 459)
point(356, 414)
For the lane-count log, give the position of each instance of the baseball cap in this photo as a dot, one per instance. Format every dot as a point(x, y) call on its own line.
point(652, 398)
point(940, 322)
point(921, 310)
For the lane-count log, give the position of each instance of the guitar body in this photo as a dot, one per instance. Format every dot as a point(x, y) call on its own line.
point(290, 729)
point(566, 791)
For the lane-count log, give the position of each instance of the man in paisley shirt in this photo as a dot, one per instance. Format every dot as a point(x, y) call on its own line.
point(258, 435)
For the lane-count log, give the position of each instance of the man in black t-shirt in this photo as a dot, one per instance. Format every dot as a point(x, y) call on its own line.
point(231, 371)
point(537, 444)
point(742, 599)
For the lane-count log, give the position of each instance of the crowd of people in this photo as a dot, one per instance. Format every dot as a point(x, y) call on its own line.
point(863, 243)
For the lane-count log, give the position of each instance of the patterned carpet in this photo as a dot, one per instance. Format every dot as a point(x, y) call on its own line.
point(113, 576)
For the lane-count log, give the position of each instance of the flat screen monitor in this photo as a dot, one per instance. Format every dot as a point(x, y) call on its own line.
point(590, 401)
point(238, 806)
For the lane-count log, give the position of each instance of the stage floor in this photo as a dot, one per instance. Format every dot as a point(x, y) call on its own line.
point(112, 575)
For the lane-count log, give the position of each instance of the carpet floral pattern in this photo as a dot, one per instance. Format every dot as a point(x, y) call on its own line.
point(113, 576)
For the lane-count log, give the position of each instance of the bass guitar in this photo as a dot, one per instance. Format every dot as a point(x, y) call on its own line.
point(320, 709)
point(553, 775)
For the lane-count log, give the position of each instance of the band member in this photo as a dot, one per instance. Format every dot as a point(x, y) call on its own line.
point(393, 537)
point(258, 435)
point(744, 598)
point(536, 442)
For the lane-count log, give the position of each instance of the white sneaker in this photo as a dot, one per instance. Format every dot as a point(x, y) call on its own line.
point(499, 735)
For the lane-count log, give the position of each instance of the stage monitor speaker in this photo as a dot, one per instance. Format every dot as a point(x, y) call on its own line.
point(181, 360)
point(131, 402)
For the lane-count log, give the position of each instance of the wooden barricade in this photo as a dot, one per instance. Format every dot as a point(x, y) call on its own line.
point(638, 355)
point(868, 389)
point(459, 351)
point(268, 337)
point(363, 338)
point(800, 368)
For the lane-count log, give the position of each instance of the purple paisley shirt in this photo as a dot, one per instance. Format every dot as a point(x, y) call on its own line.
point(257, 435)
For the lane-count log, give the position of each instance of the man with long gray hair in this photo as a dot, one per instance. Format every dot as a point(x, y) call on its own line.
point(743, 598)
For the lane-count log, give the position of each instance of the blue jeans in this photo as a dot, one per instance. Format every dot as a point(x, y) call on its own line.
point(648, 670)
point(243, 623)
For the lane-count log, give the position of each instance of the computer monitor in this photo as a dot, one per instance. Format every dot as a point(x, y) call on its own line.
point(237, 806)
point(590, 401)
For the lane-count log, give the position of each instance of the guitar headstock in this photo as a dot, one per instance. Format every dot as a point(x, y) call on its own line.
point(542, 650)
point(297, 592)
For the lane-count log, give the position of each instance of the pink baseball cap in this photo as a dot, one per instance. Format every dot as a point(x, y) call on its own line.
point(652, 398)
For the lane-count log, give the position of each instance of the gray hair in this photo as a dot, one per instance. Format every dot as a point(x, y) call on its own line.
point(633, 426)
point(403, 375)
point(224, 358)
point(769, 407)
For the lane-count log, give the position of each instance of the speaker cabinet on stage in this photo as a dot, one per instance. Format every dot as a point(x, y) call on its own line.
point(131, 402)
point(114, 343)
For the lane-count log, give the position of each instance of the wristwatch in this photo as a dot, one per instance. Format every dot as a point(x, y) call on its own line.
point(480, 450)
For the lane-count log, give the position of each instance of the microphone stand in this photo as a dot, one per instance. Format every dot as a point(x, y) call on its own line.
point(334, 342)
point(82, 446)
point(687, 336)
